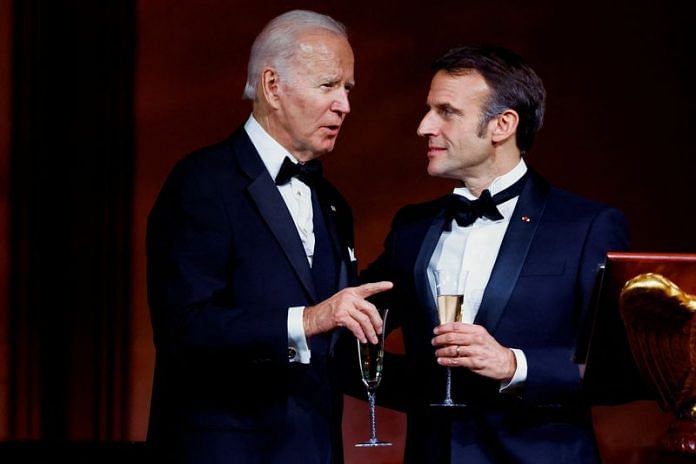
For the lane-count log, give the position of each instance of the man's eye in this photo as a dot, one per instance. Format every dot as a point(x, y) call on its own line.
point(448, 112)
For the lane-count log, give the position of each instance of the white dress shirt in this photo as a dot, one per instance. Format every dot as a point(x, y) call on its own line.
point(474, 248)
point(298, 198)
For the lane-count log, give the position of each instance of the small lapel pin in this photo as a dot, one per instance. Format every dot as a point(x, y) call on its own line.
point(333, 208)
point(526, 218)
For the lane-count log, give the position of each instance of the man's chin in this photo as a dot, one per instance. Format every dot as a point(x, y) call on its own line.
point(324, 149)
point(434, 171)
point(442, 173)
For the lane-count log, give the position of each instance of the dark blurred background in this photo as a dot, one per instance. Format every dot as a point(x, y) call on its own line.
point(99, 99)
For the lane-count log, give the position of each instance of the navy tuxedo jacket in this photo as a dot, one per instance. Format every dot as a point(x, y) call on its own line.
point(536, 300)
point(225, 262)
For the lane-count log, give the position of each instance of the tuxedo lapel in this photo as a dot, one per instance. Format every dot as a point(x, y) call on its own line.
point(513, 252)
point(264, 193)
point(339, 244)
point(420, 270)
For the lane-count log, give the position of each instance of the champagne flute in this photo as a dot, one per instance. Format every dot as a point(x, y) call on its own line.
point(371, 359)
point(449, 284)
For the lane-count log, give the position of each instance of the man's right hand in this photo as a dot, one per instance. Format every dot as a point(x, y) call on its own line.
point(350, 309)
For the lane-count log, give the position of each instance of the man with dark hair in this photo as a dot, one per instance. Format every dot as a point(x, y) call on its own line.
point(530, 252)
point(248, 247)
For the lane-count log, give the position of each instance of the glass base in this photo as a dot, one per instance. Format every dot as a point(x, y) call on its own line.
point(370, 443)
point(448, 404)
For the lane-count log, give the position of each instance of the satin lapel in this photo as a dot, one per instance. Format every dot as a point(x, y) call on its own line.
point(513, 252)
point(340, 245)
point(273, 210)
point(420, 270)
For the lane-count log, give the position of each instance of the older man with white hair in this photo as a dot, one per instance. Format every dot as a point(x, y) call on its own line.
point(248, 250)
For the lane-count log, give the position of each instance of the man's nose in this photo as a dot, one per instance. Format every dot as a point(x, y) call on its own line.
point(426, 126)
point(341, 103)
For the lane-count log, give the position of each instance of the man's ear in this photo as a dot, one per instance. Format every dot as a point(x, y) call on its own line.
point(505, 125)
point(270, 87)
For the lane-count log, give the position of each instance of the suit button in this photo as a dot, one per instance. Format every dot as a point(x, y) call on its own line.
point(292, 353)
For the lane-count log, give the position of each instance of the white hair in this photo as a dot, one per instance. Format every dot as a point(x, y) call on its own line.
point(277, 43)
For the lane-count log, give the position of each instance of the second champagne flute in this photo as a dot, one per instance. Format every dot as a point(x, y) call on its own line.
point(450, 284)
point(371, 359)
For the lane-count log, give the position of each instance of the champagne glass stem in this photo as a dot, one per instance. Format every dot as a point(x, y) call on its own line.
point(373, 421)
point(448, 391)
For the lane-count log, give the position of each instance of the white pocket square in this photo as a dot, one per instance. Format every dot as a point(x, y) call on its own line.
point(351, 255)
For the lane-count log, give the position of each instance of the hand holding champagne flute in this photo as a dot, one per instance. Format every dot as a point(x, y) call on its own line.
point(450, 284)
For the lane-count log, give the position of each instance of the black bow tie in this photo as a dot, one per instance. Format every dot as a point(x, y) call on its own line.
point(308, 172)
point(466, 211)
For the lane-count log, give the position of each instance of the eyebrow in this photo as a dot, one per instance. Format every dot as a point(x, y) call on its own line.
point(446, 107)
point(334, 79)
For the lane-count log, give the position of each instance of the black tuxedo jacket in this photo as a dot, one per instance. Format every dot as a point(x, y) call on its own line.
point(536, 300)
point(225, 262)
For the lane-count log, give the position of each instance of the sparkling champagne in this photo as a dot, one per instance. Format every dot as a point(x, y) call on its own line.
point(371, 361)
point(449, 308)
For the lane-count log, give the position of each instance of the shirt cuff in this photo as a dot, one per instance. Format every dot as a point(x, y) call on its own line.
point(520, 376)
point(298, 350)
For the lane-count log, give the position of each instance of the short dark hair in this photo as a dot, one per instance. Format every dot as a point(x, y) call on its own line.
point(513, 84)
